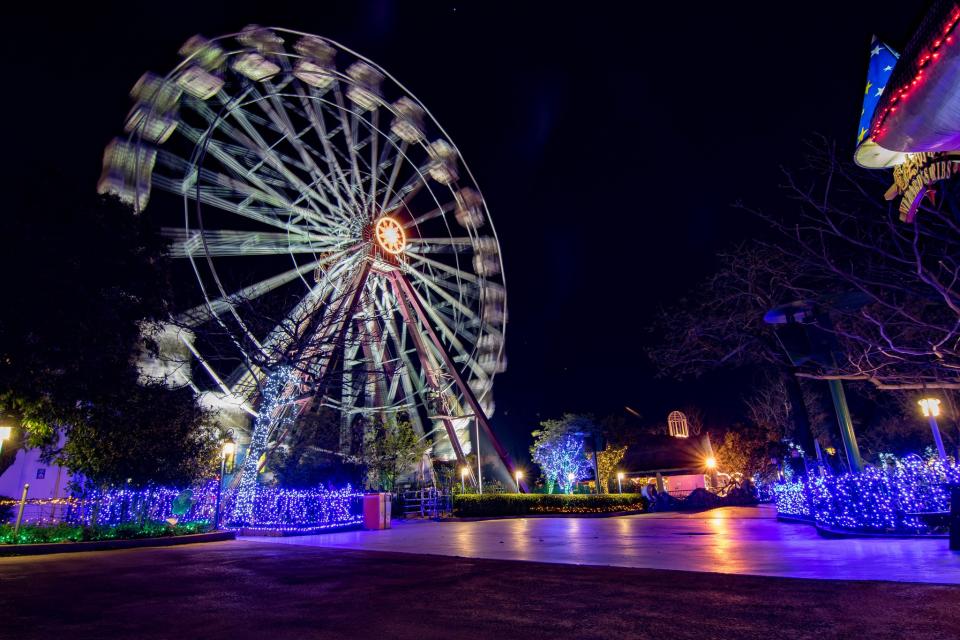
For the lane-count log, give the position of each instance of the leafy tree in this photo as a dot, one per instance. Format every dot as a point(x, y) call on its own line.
point(558, 449)
point(746, 451)
point(169, 442)
point(607, 461)
point(389, 451)
point(66, 347)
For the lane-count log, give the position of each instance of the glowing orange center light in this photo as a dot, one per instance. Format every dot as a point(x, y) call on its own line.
point(390, 235)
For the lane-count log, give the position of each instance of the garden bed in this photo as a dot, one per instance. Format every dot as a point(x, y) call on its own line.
point(61, 533)
point(522, 504)
point(107, 545)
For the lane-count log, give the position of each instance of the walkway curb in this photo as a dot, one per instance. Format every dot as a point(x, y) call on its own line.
point(45, 548)
point(612, 514)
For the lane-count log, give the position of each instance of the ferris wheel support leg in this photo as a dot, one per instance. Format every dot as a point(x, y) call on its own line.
point(428, 367)
point(401, 282)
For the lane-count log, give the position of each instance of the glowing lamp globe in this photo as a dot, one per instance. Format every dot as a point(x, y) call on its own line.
point(930, 407)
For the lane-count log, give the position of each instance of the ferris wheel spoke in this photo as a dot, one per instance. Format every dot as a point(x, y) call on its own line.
point(408, 191)
point(205, 312)
point(251, 140)
point(459, 274)
point(449, 335)
point(223, 243)
point(315, 114)
point(430, 215)
point(462, 308)
point(394, 172)
point(258, 190)
point(350, 134)
point(374, 158)
point(439, 245)
point(276, 110)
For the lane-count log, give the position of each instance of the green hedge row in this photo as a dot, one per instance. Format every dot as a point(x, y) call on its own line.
point(36, 534)
point(521, 504)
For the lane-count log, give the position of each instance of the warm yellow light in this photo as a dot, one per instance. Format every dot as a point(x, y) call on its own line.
point(390, 235)
point(229, 447)
point(620, 475)
point(5, 432)
point(519, 474)
point(463, 472)
point(711, 463)
point(930, 407)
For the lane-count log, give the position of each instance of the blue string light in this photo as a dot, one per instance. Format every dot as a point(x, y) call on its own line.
point(883, 499)
point(559, 459)
point(273, 509)
point(271, 404)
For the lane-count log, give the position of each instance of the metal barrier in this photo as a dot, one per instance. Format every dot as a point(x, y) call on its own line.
point(426, 502)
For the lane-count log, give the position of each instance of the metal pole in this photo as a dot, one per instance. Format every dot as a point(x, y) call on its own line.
point(619, 484)
point(479, 468)
point(846, 426)
point(23, 500)
point(216, 511)
point(936, 437)
point(518, 482)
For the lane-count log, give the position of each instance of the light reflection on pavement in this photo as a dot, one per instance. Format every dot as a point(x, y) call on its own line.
point(746, 540)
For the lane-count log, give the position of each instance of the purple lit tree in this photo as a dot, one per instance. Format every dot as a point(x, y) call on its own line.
point(562, 461)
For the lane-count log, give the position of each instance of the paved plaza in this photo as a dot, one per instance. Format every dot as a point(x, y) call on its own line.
point(740, 540)
point(251, 589)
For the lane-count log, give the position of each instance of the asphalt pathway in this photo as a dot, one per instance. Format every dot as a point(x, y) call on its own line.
point(247, 589)
point(741, 540)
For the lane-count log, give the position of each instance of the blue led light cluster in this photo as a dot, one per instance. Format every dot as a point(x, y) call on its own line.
point(882, 499)
point(275, 509)
point(561, 458)
point(304, 509)
point(272, 403)
point(110, 507)
point(791, 499)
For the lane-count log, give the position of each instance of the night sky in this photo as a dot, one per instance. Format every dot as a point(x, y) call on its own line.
point(609, 144)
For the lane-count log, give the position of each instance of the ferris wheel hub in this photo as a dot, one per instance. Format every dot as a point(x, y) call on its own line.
point(389, 235)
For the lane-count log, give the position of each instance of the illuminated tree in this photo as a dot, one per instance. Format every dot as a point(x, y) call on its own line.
point(607, 461)
point(389, 451)
point(562, 461)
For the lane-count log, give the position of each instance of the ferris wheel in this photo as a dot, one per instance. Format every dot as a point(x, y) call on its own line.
point(333, 233)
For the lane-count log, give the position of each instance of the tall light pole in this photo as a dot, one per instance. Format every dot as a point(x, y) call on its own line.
point(463, 480)
point(570, 478)
point(479, 470)
point(519, 475)
point(4, 434)
point(620, 481)
point(229, 448)
point(931, 409)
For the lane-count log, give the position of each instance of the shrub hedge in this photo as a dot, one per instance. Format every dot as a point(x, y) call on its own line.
point(520, 504)
point(34, 534)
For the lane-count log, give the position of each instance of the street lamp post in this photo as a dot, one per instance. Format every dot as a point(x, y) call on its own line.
point(229, 448)
point(620, 481)
point(4, 434)
point(479, 468)
point(463, 480)
point(931, 409)
point(570, 478)
point(519, 475)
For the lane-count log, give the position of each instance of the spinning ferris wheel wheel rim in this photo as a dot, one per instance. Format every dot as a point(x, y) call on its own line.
point(277, 144)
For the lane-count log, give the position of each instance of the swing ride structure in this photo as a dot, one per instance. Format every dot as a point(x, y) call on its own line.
point(336, 251)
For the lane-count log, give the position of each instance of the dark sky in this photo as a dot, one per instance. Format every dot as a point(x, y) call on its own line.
point(609, 139)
